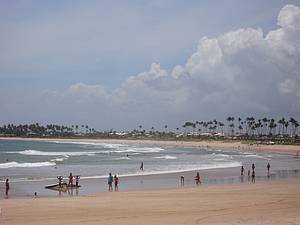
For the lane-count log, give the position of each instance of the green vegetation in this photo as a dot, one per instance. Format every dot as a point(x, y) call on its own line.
point(249, 130)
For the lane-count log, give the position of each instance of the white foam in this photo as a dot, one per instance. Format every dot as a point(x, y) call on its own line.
point(139, 150)
point(105, 145)
point(165, 157)
point(122, 158)
point(42, 153)
point(221, 155)
point(58, 160)
point(254, 156)
point(118, 148)
point(25, 165)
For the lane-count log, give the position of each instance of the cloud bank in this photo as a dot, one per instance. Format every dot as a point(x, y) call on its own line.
point(240, 73)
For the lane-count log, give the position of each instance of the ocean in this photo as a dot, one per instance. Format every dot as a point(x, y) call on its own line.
point(30, 165)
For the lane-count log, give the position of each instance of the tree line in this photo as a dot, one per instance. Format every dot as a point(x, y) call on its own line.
point(35, 129)
point(248, 126)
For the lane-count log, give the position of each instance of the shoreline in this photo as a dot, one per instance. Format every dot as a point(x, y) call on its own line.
point(275, 202)
point(234, 145)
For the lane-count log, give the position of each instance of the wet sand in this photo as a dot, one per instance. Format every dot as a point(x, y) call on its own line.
point(276, 202)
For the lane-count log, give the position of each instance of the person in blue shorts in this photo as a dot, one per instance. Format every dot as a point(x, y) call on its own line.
point(110, 181)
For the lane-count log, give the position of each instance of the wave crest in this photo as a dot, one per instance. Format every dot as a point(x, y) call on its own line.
point(25, 165)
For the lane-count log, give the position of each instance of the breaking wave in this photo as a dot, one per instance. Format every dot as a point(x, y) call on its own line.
point(25, 165)
point(165, 157)
point(42, 153)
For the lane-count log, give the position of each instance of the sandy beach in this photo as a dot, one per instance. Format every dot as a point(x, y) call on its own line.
point(260, 203)
point(265, 202)
point(285, 149)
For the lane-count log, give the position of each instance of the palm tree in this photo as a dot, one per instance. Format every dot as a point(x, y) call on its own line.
point(282, 123)
point(295, 125)
point(272, 125)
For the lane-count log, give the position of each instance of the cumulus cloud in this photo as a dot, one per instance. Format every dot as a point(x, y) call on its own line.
point(87, 91)
point(241, 72)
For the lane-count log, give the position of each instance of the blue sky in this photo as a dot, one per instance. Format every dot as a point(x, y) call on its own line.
point(50, 46)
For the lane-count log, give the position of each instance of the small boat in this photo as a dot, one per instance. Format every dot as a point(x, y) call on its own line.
point(58, 187)
point(63, 186)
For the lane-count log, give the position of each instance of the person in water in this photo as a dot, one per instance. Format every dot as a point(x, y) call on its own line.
point(70, 184)
point(142, 166)
point(197, 179)
point(6, 187)
point(110, 181)
point(268, 168)
point(253, 167)
point(242, 170)
point(116, 181)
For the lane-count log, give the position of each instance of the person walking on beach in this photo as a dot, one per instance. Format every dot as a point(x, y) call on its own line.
point(248, 175)
point(110, 181)
point(142, 166)
point(242, 170)
point(268, 168)
point(197, 179)
point(116, 181)
point(70, 184)
point(6, 187)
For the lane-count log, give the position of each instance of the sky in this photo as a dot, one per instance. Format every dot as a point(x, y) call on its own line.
point(121, 64)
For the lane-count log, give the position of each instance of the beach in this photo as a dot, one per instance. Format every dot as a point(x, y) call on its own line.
point(33, 163)
point(223, 197)
point(261, 203)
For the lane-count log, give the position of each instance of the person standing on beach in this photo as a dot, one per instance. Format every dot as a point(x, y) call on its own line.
point(142, 166)
point(253, 177)
point(60, 178)
point(110, 181)
point(182, 180)
point(77, 177)
point(253, 167)
point(116, 181)
point(268, 168)
point(6, 187)
point(70, 184)
point(197, 179)
point(242, 170)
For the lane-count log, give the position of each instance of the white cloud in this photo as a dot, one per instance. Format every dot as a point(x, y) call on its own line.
point(242, 72)
point(239, 72)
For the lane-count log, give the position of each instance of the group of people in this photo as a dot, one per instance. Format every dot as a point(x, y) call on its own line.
point(71, 180)
point(113, 179)
point(252, 174)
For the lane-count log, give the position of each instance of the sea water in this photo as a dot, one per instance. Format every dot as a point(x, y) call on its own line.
point(42, 161)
